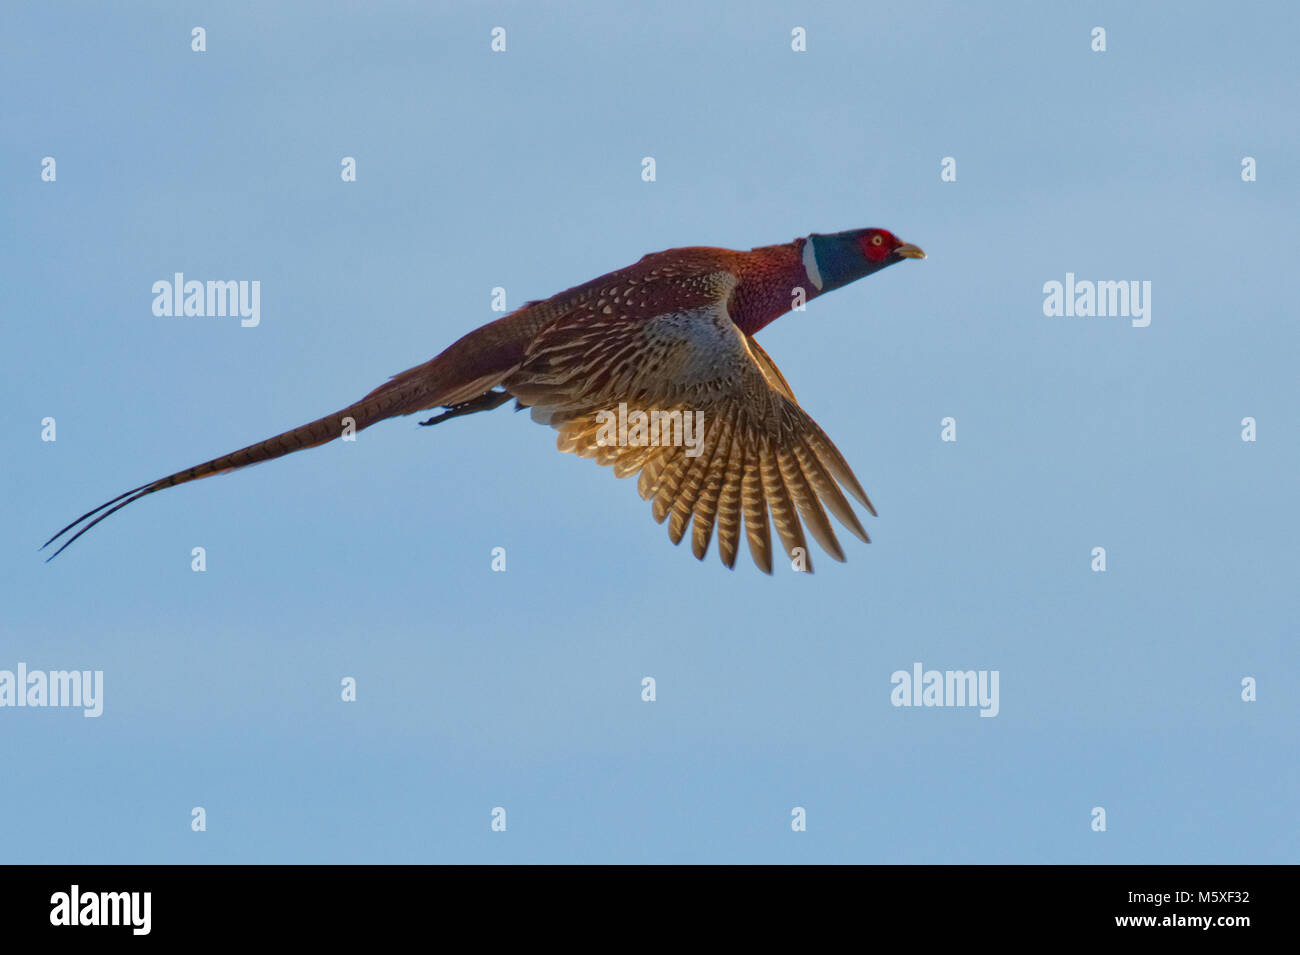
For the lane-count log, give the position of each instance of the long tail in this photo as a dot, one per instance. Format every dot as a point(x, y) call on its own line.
point(394, 398)
point(473, 365)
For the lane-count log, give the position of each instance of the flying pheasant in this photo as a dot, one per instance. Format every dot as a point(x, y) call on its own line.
point(672, 338)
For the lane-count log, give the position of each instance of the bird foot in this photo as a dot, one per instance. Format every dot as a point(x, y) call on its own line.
point(484, 402)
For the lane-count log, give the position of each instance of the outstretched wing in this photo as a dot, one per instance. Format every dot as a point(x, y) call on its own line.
point(738, 448)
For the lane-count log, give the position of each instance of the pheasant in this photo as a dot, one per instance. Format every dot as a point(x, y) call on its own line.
point(671, 337)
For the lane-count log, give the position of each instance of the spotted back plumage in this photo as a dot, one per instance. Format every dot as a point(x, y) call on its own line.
point(664, 342)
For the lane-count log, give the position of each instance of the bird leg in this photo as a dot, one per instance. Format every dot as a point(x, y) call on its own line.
point(484, 402)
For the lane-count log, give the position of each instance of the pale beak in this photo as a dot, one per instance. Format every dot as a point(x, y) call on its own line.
point(909, 251)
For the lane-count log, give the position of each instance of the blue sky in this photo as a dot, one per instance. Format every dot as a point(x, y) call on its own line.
point(522, 689)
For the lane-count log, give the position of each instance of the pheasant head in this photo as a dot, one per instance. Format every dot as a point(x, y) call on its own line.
point(777, 278)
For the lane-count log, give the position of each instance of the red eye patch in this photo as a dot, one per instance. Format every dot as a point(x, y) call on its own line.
point(877, 244)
